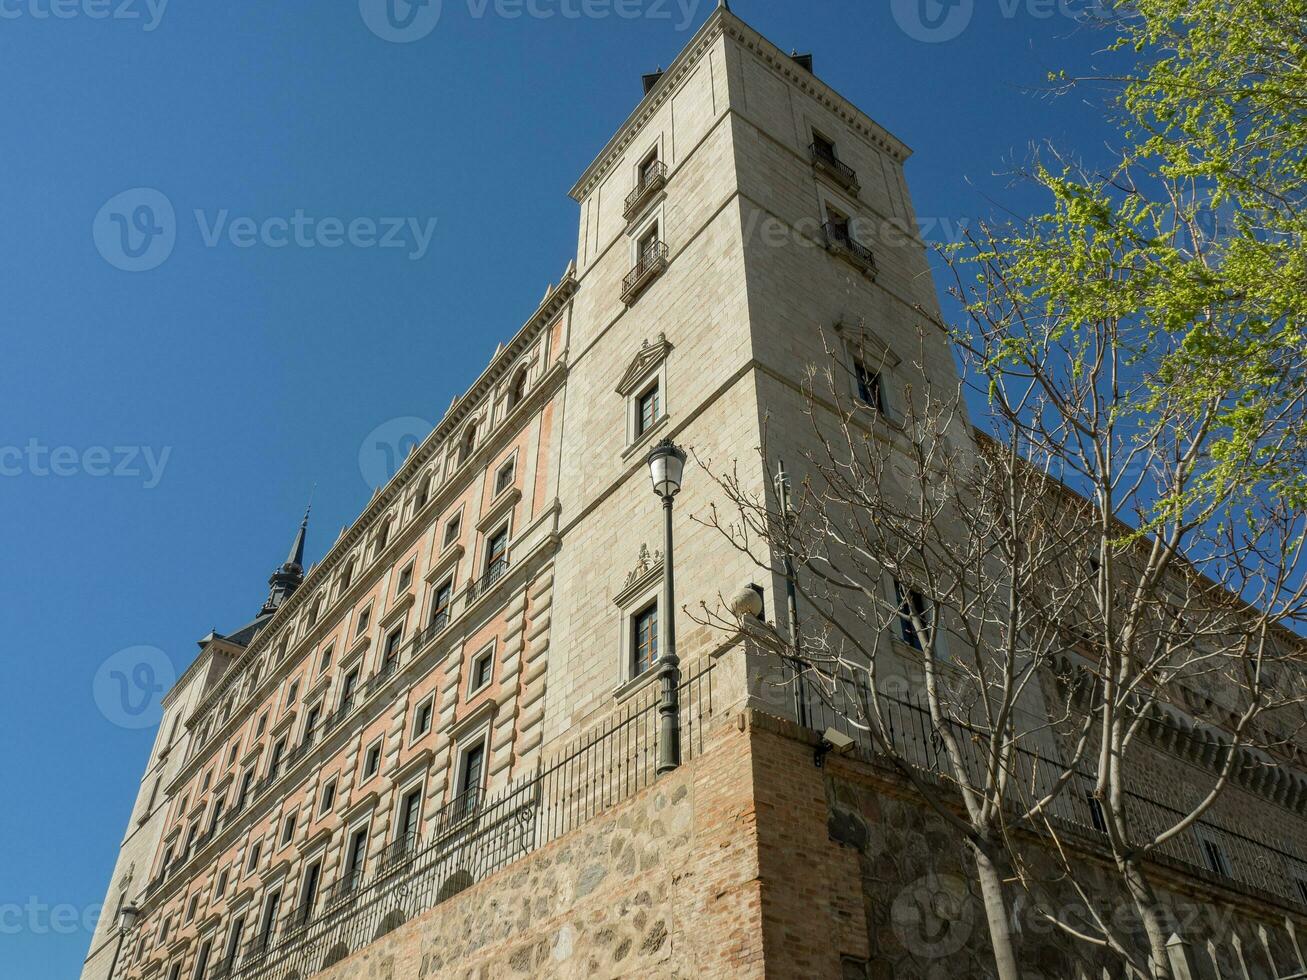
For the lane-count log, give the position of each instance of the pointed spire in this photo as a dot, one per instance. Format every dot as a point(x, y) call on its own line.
point(287, 578)
point(296, 555)
point(723, 5)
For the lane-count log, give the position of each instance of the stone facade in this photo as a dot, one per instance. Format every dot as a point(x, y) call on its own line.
point(472, 630)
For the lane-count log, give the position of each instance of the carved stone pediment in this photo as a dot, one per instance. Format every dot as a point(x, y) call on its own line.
point(649, 357)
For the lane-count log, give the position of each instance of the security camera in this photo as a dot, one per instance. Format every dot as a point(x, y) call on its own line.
point(832, 740)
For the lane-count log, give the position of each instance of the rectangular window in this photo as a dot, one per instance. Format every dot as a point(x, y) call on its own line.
point(253, 862)
point(470, 782)
point(309, 892)
point(231, 756)
point(405, 579)
point(837, 223)
point(393, 640)
point(913, 609)
point(234, 942)
point(269, 926)
point(383, 536)
point(365, 618)
point(496, 554)
point(348, 688)
point(204, 783)
point(1302, 890)
point(372, 760)
point(293, 692)
point(221, 889)
point(1214, 853)
point(647, 410)
point(288, 830)
point(355, 858)
point(274, 763)
point(452, 528)
point(483, 668)
point(163, 929)
point(328, 797)
point(647, 251)
point(325, 662)
point(422, 717)
point(504, 476)
point(1096, 816)
point(243, 796)
point(649, 168)
point(262, 725)
point(644, 639)
point(216, 817)
point(192, 907)
point(311, 720)
point(869, 386)
point(176, 971)
point(202, 960)
point(410, 814)
point(823, 147)
point(440, 602)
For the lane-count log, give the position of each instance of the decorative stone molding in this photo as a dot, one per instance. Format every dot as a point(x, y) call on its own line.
point(648, 358)
point(648, 567)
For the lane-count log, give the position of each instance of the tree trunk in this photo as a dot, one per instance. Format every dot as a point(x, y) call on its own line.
point(1141, 890)
point(996, 915)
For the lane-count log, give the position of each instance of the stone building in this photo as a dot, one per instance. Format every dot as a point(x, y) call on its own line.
point(435, 753)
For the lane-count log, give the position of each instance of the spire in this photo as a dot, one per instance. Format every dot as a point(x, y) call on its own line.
point(287, 578)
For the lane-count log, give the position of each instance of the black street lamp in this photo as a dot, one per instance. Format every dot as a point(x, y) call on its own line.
point(666, 467)
point(126, 919)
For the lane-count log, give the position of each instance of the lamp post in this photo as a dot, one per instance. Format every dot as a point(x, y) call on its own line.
point(666, 467)
point(126, 919)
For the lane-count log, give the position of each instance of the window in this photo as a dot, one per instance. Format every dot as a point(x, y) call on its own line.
point(163, 929)
point(262, 725)
point(269, 926)
point(231, 756)
point(311, 724)
point(422, 717)
point(348, 688)
point(346, 577)
point(233, 942)
point(823, 147)
point(293, 692)
point(440, 601)
point(274, 763)
point(647, 410)
point(287, 830)
point(837, 224)
point(469, 443)
point(410, 815)
point(469, 782)
point(216, 816)
point(1302, 890)
point(365, 618)
point(1214, 853)
point(644, 639)
point(372, 760)
point(423, 494)
point(176, 972)
point(647, 249)
point(242, 796)
point(383, 536)
point(393, 640)
point(649, 168)
point(315, 610)
point(355, 857)
point(309, 892)
point(253, 862)
point(483, 668)
point(452, 528)
point(868, 386)
point(504, 476)
point(405, 579)
point(518, 392)
point(204, 783)
point(328, 797)
point(202, 960)
point(913, 609)
point(325, 660)
point(221, 889)
point(192, 907)
point(1097, 819)
point(496, 554)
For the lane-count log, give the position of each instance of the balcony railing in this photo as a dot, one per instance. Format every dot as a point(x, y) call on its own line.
point(494, 572)
point(839, 241)
point(652, 264)
point(651, 180)
point(399, 853)
point(825, 160)
point(389, 667)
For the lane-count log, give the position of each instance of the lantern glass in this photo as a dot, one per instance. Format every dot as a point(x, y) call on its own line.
point(127, 918)
point(666, 467)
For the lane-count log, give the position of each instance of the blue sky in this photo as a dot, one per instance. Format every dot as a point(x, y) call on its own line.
point(160, 430)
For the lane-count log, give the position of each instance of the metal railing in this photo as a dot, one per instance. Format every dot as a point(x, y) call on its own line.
point(824, 158)
point(650, 180)
point(496, 570)
point(471, 837)
point(839, 239)
point(1032, 773)
point(650, 264)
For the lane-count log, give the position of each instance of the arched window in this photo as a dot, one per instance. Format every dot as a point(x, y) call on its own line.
point(469, 443)
point(518, 391)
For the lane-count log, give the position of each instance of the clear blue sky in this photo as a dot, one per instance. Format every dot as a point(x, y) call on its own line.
point(262, 370)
